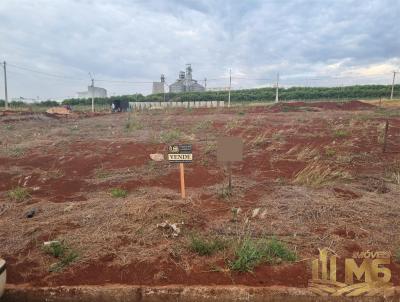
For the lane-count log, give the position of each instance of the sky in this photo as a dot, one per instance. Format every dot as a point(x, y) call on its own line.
point(51, 46)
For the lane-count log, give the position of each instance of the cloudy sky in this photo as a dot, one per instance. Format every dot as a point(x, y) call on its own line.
point(51, 45)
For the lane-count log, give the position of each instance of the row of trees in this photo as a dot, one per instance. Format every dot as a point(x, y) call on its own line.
point(14, 104)
point(248, 95)
point(256, 95)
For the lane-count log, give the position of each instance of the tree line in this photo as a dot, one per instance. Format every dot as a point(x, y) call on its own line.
point(247, 95)
point(255, 95)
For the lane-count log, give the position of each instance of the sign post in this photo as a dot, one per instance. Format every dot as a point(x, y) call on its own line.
point(229, 149)
point(182, 172)
point(181, 154)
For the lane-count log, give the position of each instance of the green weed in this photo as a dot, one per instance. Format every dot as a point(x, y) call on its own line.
point(62, 252)
point(118, 193)
point(206, 247)
point(18, 194)
point(250, 253)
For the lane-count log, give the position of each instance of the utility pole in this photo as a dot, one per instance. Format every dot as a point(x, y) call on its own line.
point(277, 88)
point(230, 85)
point(391, 94)
point(91, 77)
point(205, 84)
point(5, 86)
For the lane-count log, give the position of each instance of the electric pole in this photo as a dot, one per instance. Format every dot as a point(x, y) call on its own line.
point(91, 77)
point(5, 86)
point(230, 84)
point(205, 84)
point(277, 88)
point(391, 94)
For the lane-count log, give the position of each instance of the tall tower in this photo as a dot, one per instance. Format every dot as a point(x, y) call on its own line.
point(188, 72)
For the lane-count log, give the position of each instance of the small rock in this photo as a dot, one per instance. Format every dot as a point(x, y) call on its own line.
point(157, 156)
point(31, 213)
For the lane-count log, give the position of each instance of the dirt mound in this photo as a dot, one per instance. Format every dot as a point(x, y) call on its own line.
point(316, 106)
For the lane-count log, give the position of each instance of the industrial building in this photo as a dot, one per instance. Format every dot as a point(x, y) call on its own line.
point(96, 92)
point(158, 87)
point(185, 82)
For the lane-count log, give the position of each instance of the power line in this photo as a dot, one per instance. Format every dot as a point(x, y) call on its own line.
point(46, 73)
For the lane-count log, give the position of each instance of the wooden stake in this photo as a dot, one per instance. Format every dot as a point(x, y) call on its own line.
point(385, 136)
point(182, 172)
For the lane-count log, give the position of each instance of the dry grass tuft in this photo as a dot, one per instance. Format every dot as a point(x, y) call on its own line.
point(317, 174)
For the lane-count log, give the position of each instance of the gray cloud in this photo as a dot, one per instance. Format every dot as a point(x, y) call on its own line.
point(139, 40)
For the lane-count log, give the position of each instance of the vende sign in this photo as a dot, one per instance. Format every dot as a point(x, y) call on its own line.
point(180, 153)
point(180, 158)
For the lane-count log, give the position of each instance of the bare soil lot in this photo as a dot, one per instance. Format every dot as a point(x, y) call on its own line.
point(313, 176)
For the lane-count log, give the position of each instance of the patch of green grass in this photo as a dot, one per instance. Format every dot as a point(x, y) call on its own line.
point(397, 256)
point(206, 247)
point(247, 256)
point(15, 152)
point(251, 252)
point(18, 194)
point(56, 249)
point(118, 193)
point(170, 136)
point(341, 133)
point(63, 253)
point(278, 251)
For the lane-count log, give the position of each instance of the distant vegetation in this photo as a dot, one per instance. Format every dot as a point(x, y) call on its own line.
point(14, 104)
point(257, 95)
point(247, 95)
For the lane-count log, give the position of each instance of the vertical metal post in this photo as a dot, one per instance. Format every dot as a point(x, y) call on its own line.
point(92, 95)
point(394, 79)
point(5, 86)
point(230, 84)
point(277, 88)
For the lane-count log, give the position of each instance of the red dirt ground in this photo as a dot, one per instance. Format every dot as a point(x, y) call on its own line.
point(120, 243)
